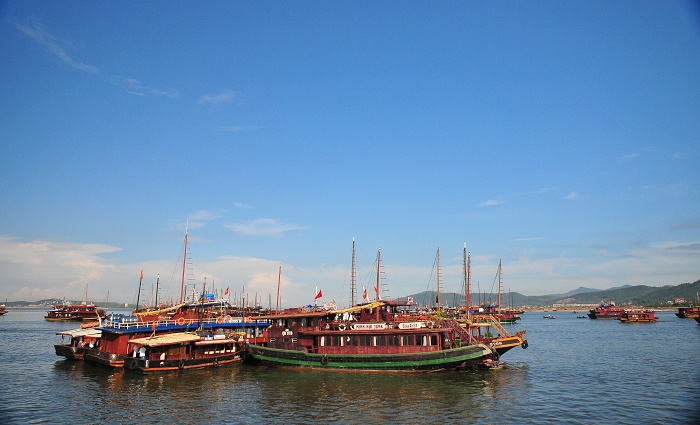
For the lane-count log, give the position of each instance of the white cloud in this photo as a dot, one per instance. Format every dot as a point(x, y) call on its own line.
point(54, 45)
point(263, 227)
point(572, 196)
point(490, 203)
point(134, 86)
point(226, 96)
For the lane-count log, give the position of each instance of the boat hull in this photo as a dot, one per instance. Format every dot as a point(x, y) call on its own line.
point(95, 355)
point(70, 352)
point(148, 366)
point(431, 361)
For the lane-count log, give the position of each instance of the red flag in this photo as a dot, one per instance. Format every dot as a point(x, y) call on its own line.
point(226, 293)
point(141, 273)
point(364, 292)
point(319, 295)
point(154, 324)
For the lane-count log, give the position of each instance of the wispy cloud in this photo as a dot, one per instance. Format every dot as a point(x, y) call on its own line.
point(241, 205)
point(571, 196)
point(226, 96)
point(134, 86)
point(54, 45)
point(237, 128)
point(263, 227)
point(490, 203)
point(528, 239)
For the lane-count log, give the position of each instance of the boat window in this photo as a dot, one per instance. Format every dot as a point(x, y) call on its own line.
point(351, 340)
point(420, 339)
point(335, 340)
point(409, 340)
point(380, 340)
point(392, 340)
point(365, 340)
point(289, 323)
point(303, 321)
point(322, 341)
point(433, 340)
point(280, 322)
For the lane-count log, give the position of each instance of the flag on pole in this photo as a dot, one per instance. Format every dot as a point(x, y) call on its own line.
point(226, 293)
point(364, 293)
point(319, 295)
point(141, 275)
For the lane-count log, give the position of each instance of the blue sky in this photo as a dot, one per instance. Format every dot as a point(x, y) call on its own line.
point(560, 137)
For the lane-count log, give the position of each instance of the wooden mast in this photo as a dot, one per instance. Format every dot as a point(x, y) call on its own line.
point(500, 277)
point(438, 280)
point(279, 278)
point(376, 288)
point(352, 276)
point(184, 262)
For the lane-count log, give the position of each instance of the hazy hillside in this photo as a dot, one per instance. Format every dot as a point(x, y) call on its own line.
point(635, 295)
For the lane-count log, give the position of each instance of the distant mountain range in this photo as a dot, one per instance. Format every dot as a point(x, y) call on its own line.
point(628, 294)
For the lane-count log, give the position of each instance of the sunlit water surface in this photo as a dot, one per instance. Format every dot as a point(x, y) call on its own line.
point(575, 371)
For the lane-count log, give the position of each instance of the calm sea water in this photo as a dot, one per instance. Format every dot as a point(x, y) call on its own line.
point(576, 371)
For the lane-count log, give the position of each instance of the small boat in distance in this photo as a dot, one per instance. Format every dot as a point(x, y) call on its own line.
point(606, 310)
point(2, 309)
point(549, 316)
point(638, 316)
point(75, 312)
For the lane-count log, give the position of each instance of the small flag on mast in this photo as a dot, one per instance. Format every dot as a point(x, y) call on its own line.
point(319, 295)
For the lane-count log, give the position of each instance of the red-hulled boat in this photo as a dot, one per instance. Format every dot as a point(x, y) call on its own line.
point(638, 316)
point(606, 310)
point(75, 312)
point(688, 312)
point(79, 342)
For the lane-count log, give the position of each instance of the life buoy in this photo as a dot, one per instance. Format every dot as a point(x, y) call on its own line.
point(132, 364)
point(216, 362)
point(524, 344)
point(341, 327)
point(228, 319)
point(181, 365)
point(219, 320)
point(324, 360)
point(180, 321)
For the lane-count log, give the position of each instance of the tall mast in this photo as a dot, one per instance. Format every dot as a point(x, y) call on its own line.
point(352, 277)
point(438, 280)
point(469, 282)
point(376, 288)
point(157, 285)
point(184, 262)
point(279, 278)
point(138, 295)
point(500, 277)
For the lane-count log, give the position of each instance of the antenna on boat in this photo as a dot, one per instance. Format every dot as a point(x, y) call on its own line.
point(437, 299)
point(279, 279)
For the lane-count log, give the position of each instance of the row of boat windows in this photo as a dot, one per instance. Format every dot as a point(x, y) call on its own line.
point(378, 340)
point(186, 350)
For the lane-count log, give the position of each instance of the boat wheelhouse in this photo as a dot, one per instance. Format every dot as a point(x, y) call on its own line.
point(375, 336)
point(183, 350)
point(638, 316)
point(79, 342)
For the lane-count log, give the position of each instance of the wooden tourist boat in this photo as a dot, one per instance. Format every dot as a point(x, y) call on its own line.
point(606, 310)
point(638, 316)
point(75, 312)
point(79, 342)
point(118, 330)
point(3, 310)
point(367, 337)
point(183, 350)
point(688, 312)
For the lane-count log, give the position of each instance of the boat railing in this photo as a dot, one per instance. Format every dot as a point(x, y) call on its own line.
point(131, 323)
point(493, 321)
point(463, 333)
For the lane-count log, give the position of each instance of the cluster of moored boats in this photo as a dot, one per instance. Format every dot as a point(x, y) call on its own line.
point(379, 335)
point(384, 335)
